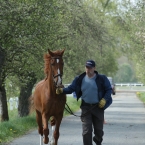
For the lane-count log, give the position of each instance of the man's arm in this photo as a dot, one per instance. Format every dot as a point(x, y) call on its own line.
point(68, 90)
point(106, 94)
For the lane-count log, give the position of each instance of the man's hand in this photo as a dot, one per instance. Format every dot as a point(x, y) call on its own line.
point(59, 90)
point(102, 103)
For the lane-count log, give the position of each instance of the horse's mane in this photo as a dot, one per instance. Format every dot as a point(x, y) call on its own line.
point(47, 58)
point(47, 61)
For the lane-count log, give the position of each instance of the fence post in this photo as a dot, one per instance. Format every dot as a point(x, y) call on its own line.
point(11, 100)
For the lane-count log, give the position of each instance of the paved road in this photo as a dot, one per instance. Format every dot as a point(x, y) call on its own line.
point(125, 125)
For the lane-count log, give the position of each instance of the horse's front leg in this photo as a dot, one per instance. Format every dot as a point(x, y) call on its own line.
point(39, 122)
point(56, 131)
point(53, 122)
point(40, 127)
point(45, 128)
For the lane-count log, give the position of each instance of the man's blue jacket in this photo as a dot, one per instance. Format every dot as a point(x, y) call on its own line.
point(103, 84)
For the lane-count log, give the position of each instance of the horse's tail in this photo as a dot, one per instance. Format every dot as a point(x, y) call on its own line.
point(31, 104)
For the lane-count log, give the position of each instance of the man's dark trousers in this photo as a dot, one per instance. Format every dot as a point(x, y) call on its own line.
point(93, 120)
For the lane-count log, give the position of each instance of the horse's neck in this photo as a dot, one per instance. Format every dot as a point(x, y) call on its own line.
point(50, 82)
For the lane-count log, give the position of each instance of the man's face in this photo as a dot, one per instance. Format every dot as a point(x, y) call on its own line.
point(90, 70)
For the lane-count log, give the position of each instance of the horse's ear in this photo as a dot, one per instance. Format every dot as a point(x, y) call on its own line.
point(62, 51)
point(50, 52)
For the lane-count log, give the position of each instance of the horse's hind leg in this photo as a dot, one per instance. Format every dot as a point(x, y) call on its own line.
point(45, 128)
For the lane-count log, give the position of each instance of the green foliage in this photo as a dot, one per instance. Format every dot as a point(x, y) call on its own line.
point(28, 29)
point(16, 127)
point(125, 74)
point(91, 38)
point(32, 27)
point(141, 96)
point(12, 87)
point(133, 44)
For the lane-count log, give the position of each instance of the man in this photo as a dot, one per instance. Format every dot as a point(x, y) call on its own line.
point(95, 92)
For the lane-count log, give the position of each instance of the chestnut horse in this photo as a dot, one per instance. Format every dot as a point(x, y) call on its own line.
point(49, 105)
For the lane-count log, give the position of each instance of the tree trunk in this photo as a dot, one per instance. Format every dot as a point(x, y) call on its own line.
point(3, 100)
point(3, 105)
point(25, 93)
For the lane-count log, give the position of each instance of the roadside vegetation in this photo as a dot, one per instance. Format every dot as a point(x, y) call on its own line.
point(141, 96)
point(18, 126)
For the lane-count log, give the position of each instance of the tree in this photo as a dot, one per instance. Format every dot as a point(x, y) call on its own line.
point(91, 38)
point(29, 28)
point(25, 93)
point(136, 20)
point(3, 100)
point(22, 35)
point(125, 74)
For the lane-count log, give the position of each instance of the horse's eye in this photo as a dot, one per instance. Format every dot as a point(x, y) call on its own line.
point(52, 62)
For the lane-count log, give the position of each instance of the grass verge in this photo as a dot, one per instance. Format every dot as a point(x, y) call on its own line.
point(141, 96)
point(17, 126)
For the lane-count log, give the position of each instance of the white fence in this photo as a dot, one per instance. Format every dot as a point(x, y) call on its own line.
point(13, 103)
point(129, 84)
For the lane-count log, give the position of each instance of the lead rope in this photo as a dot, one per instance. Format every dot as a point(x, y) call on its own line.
point(70, 111)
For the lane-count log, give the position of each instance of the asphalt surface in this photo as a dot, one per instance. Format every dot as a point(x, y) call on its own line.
point(125, 125)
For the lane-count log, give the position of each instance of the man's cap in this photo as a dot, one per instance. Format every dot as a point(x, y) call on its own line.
point(90, 63)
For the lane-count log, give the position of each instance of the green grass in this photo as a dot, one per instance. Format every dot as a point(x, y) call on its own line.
point(17, 126)
point(73, 105)
point(141, 96)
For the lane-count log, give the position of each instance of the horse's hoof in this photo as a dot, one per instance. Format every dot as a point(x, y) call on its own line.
point(52, 143)
point(46, 140)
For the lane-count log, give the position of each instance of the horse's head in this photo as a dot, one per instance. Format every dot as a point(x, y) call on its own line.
point(56, 64)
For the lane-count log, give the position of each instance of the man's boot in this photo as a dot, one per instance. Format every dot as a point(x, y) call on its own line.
point(97, 142)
